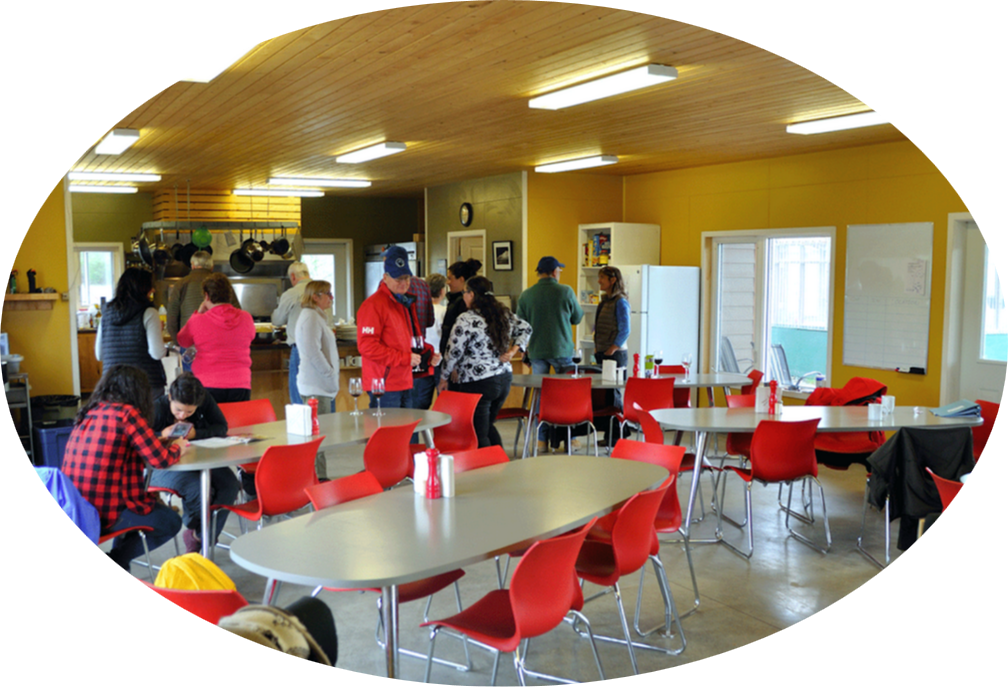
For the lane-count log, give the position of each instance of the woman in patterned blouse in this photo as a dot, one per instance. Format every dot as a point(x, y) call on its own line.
point(482, 342)
point(105, 456)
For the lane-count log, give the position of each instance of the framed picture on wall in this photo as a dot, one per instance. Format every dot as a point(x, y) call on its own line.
point(502, 252)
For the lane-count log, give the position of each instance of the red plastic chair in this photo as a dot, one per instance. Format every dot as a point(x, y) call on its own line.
point(459, 434)
point(566, 403)
point(479, 458)
point(209, 604)
point(781, 452)
point(947, 488)
point(604, 562)
point(245, 413)
point(669, 517)
point(988, 411)
point(543, 593)
point(680, 397)
point(519, 414)
point(388, 454)
point(281, 478)
point(649, 394)
point(142, 530)
point(357, 486)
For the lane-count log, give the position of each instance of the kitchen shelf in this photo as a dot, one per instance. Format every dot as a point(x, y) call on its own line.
point(29, 301)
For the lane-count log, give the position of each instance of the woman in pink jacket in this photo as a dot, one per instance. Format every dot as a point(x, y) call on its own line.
point(223, 337)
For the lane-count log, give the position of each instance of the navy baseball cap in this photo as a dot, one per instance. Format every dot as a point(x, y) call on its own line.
point(396, 261)
point(548, 264)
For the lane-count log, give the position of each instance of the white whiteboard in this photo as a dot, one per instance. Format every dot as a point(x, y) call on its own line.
point(887, 297)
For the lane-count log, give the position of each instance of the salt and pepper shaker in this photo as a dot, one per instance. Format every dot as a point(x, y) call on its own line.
point(313, 404)
point(636, 364)
point(773, 398)
point(433, 478)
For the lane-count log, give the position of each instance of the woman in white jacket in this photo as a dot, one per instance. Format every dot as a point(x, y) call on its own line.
point(318, 373)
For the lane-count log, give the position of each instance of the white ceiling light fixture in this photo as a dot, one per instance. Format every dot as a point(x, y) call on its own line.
point(83, 188)
point(372, 152)
point(112, 176)
point(579, 163)
point(282, 192)
point(327, 183)
point(822, 126)
point(117, 141)
point(614, 84)
point(215, 70)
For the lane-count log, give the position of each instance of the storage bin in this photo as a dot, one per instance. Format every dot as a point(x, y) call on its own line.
point(50, 442)
point(54, 407)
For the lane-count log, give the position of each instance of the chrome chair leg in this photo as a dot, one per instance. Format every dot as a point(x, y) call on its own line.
point(805, 540)
point(380, 631)
point(885, 524)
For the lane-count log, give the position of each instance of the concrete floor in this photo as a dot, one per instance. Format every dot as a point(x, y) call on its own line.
point(741, 601)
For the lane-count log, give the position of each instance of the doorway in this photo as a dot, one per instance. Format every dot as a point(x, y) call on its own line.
point(463, 245)
point(332, 260)
point(975, 340)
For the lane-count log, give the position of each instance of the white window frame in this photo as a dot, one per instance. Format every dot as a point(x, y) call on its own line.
point(118, 266)
point(319, 246)
point(710, 240)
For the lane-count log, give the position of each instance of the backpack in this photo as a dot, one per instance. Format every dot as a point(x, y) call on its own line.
point(194, 572)
point(83, 514)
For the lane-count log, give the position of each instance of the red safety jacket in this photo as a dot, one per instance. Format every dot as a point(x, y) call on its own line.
point(384, 338)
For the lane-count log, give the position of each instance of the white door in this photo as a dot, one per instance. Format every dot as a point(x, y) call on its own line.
point(984, 324)
point(463, 245)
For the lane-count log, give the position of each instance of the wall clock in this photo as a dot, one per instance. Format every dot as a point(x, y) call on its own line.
point(466, 214)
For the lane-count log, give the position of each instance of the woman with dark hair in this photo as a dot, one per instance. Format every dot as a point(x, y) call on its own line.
point(188, 401)
point(129, 332)
point(482, 342)
point(612, 318)
point(223, 337)
point(458, 274)
point(105, 455)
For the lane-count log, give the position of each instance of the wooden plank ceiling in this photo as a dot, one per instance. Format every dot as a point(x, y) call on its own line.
point(453, 81)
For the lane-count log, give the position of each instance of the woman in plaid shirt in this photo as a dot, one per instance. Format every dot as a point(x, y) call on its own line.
point(105, 455)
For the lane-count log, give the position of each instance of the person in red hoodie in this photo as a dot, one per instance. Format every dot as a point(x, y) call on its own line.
point(223, 337)
point(389, 336)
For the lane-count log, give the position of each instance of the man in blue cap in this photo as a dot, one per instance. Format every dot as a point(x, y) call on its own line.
point(551, 308)
point(389, 336)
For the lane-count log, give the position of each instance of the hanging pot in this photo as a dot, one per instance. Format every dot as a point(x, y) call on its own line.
point(143, 249)
point(253, 249)
point(187, 252)
point(161, 254)
point(240, 260)
point(280, 246)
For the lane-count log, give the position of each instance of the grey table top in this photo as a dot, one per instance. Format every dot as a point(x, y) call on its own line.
point(694, 381)
point(831, 419)
point(399, 536)
point(340, 429)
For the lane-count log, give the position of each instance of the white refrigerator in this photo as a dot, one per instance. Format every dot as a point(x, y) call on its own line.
point(664, 312)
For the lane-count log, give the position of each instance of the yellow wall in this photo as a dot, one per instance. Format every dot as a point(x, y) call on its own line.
point(867, 185)
point(557, 204)
point(43, 336)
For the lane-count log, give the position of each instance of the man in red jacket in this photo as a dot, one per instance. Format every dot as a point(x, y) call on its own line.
point(389, 336)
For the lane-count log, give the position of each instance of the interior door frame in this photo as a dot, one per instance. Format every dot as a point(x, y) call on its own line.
point(955, 286)
point(312, 245)
point(462, 234)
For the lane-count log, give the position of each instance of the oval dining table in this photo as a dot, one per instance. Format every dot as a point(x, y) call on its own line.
point(339, 429)
point(399, 536)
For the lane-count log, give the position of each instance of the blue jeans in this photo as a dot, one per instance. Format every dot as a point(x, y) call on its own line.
point(295, 363)
point(164, 520)
point(542, 367)
point(423, 389)
point(392, 399)
point(223, 492)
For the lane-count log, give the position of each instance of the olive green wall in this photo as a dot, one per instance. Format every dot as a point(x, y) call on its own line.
point(101, 217)
point(497, 209)
point(366, 221)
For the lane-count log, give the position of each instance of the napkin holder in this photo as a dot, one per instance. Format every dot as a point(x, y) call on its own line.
point(446, 467)
point(299, 419)
point(762, 399)
point(609, 370)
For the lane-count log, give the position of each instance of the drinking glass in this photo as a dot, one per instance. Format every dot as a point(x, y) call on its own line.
point(687, 360)
point(577, 358)
point(378, 390)
point(658, 358)
point(356, 389)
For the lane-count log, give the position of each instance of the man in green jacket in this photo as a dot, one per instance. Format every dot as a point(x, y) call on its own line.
point(551, 308)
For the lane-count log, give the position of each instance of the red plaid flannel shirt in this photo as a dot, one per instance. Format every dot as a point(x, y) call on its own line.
point(105, 456)
point(424, 305)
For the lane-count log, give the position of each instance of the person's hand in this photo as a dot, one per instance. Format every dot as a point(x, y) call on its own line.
point(612, 350)
point(442, 385)
point(414, 359)
point(435, 360)
point(166, 432)
point(183, 445)
point(506, 356)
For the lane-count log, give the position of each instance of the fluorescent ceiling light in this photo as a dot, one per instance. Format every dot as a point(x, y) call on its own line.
point(117, 141)
point(214, 70)
point(328, 183)
point(112, 176)
point(580, 163)
point(373, 152)
point(632, 80)
point(821, 126)
point(78, 188)
point(288, 192)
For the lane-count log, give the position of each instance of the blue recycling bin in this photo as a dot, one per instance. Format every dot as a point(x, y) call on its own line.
point(50, 442)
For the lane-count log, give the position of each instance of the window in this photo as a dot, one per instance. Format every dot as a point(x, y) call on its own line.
point(771, 287)
point(99, 267)
point(995, 318)
point(331, 260)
